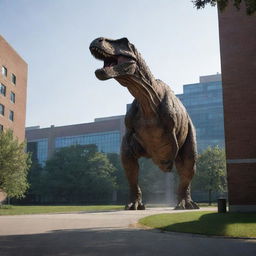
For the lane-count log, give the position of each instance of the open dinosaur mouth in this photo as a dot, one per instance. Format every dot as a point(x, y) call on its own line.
point(114, 65)
point(108, 59)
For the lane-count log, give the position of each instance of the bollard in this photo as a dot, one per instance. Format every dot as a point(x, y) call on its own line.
point(222, 205)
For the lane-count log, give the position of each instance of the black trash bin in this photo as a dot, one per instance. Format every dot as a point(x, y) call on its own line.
point(222, 205)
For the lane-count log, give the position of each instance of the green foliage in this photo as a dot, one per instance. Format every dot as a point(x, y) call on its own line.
point(211, 171)
point(78, 173)
point(249, 4)
point(122, 187)
point(35, 180)
point(14, 165)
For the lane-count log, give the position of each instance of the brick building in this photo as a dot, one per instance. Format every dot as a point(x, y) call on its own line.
point(238, 60)
point(13, 93)
point(13, 90)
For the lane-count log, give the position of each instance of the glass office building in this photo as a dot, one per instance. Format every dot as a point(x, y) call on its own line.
point(204, 104)
point(39, 148)
point(105, 133)
point(107, 142)
point(202, 100)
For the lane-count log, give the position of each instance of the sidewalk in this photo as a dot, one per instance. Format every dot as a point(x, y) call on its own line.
point(107, 233)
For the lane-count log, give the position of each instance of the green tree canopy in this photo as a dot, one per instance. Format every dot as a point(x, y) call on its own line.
point(120, 177)
point(78, 173)
point(249, 4)
point(14, 165)
point(211, 171)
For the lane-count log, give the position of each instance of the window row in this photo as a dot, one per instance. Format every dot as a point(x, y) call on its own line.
point(5, 73)
point(40, 149)
point(107, 142)
point(2, 112)
point(3, 92)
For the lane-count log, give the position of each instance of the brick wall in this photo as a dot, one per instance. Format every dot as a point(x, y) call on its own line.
point(17, 66)
point(238, 60)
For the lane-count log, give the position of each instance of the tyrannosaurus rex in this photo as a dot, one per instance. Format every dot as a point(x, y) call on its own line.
point(157, 124)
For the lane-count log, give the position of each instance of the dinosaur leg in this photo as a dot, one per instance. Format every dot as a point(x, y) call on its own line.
point(185, 165)
point(184, 197)
point(131, 167)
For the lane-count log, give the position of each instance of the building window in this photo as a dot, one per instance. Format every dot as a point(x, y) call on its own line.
point(1, 109)
point(4, 71)
point(213, 87)
point(2, 89)
point(107, 142)
point(40, 149)
point(12, 97)
point(13, 79)
point(1, 127)
point(11, 115)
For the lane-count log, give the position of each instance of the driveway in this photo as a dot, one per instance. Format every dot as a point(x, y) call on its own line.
point(107, 233)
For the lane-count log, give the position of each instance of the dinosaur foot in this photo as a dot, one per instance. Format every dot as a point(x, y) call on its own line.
point(135, 206)
point(186, 205)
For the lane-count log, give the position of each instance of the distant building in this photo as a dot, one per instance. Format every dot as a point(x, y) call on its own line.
point(203, 101)
point(13, 90)
point(204, 104)
point(106, 133)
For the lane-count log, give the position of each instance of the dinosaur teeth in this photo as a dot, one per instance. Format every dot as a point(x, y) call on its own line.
point(100, 54)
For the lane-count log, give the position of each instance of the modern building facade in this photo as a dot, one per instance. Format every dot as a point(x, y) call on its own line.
point(13, 90)
point(204, 104)
point(203, 101)
point(238, 63)
point(106, 133)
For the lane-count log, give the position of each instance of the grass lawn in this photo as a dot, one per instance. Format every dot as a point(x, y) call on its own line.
point(17, 210)
point(207, 223)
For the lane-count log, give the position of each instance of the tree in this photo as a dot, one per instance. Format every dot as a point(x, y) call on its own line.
point(211, 171)
point(78, 174)
point(33, 194)
point(249, 4)
point(120, 177)
point(14, 165)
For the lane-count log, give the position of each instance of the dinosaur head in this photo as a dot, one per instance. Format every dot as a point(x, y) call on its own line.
point(119, 57)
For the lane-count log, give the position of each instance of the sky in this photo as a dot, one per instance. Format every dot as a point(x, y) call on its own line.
point(178, 42)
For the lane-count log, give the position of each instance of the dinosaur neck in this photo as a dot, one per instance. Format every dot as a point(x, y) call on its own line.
point(142, 85)
point(144, 92)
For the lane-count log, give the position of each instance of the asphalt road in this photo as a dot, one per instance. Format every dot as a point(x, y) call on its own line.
point(107, 233)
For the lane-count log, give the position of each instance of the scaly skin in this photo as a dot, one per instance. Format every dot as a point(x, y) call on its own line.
point(157, 124)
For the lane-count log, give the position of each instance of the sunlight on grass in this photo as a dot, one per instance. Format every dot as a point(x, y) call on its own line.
point(208, 223)
point(17, 210)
